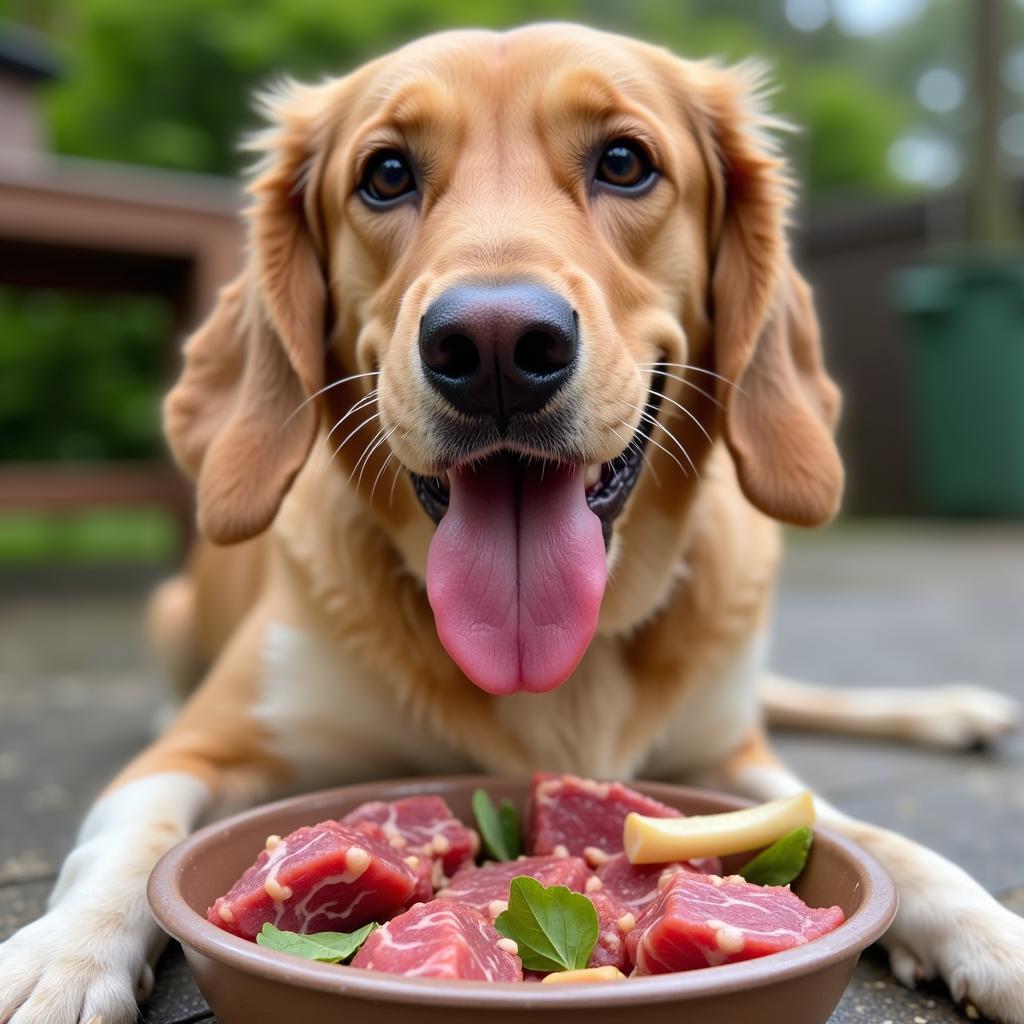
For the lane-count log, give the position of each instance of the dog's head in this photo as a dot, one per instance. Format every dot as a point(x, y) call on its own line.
point(536, 275)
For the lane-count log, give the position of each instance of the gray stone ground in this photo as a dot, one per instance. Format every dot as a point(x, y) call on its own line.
point(909, 603)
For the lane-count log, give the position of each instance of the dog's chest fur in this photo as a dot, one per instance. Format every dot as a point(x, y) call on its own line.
point(334, 720)
point(356, 684)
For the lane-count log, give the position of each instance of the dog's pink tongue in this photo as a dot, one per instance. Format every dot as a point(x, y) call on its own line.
point(515, 575)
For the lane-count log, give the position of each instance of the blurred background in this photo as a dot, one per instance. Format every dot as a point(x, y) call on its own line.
point(119, 125)
point(119, 196)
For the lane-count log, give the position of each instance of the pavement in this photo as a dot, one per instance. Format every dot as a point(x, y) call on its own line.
point(908, 603)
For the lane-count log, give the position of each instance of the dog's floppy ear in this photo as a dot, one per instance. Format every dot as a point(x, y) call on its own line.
point(235, 419)
point(781, 407)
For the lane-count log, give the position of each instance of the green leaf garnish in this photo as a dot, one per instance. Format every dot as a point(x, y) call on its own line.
point(781, 862)
point(327, 947)
point(499, 827)
point(555, 929)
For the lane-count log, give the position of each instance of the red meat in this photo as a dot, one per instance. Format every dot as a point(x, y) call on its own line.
point(441, 939)
point(636, 885)
point(326, 877)
point(702, 921)
point(423, 826)
point(583, 816)
point(486, 888)
point(427, 872)
point(614, 923)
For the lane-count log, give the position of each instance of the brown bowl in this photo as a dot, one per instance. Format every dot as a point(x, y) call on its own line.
point(247, 984)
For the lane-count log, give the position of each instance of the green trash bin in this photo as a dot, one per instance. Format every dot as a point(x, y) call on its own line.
point(966, 333)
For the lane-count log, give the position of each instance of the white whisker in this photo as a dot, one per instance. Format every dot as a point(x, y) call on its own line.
point(627, 445)
point(366, 450)
point(690, 384)
point(656, 423)
point(380, 472)
point(391, 493)
point(362, 454)
point(362, 403)
point(369, 455)
point(682, 408)
point(333, 384)
point(351, 435)
point(633, 441)
point(669, 454)
point(698, 369)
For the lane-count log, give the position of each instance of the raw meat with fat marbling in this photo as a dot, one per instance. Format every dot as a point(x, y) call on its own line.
point(423, 826)
point(441, 939)
point(325, 877)
point(704, 921)
point(636, 885)
point(584, 817)
point(614, 923)
point(486, 888)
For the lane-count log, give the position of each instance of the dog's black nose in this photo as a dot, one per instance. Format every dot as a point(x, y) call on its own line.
point(498, 350)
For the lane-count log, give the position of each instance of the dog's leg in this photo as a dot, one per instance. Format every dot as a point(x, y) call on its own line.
point(173, 636)
point(947, 924)
point(956, 716)
point(88, 959)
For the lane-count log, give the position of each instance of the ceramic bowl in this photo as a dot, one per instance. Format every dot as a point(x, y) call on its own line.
point(247, 984)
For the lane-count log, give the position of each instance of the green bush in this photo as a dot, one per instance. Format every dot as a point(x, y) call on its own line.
point(170, 83)
point(81, 376)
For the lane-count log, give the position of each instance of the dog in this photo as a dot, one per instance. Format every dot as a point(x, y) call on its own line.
point(491, 441)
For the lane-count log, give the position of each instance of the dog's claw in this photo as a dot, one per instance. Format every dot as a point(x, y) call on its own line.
point(955, 931)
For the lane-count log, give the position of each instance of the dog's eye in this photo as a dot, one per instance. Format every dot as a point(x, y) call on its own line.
point(387, 177)
point(624, 165)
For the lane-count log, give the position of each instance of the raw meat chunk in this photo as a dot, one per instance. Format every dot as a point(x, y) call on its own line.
point(426, 870)
point(636, 885)
point(583, 816)
point(325, 877)
point(486, 888)
point(441, 939)
point(704, 921)
point(614, 922)
point(423, 826)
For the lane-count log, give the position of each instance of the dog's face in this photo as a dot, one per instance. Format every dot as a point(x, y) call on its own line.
point(545, 259)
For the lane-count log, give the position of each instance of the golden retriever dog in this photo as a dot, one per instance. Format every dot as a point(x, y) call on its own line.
point(500, 420)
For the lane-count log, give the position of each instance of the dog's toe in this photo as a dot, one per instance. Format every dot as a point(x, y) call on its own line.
point(48, 977)
point(908, 968)
point(111, 1000)
point(978, 952)
point(63, 997)
point(961, 716)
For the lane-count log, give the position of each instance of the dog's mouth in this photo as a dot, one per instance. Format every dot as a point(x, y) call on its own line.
point(607, 485)
point(517, 565)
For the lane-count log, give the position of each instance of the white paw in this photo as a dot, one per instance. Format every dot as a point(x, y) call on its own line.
point(73, 966)
point(85, 961)
point(960, 716)
point(952, 929)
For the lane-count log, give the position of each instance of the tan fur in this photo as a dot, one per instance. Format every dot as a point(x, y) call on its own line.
point(326, 665)
point(644, 277)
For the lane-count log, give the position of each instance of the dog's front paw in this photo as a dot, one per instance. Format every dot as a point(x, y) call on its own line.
point(960, 716)
point(73, 967)
point(959, 933)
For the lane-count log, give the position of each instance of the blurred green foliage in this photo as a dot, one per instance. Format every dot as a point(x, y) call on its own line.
point(135, 534)
point(169, 83)
point(81, 375)
point(854, 123)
